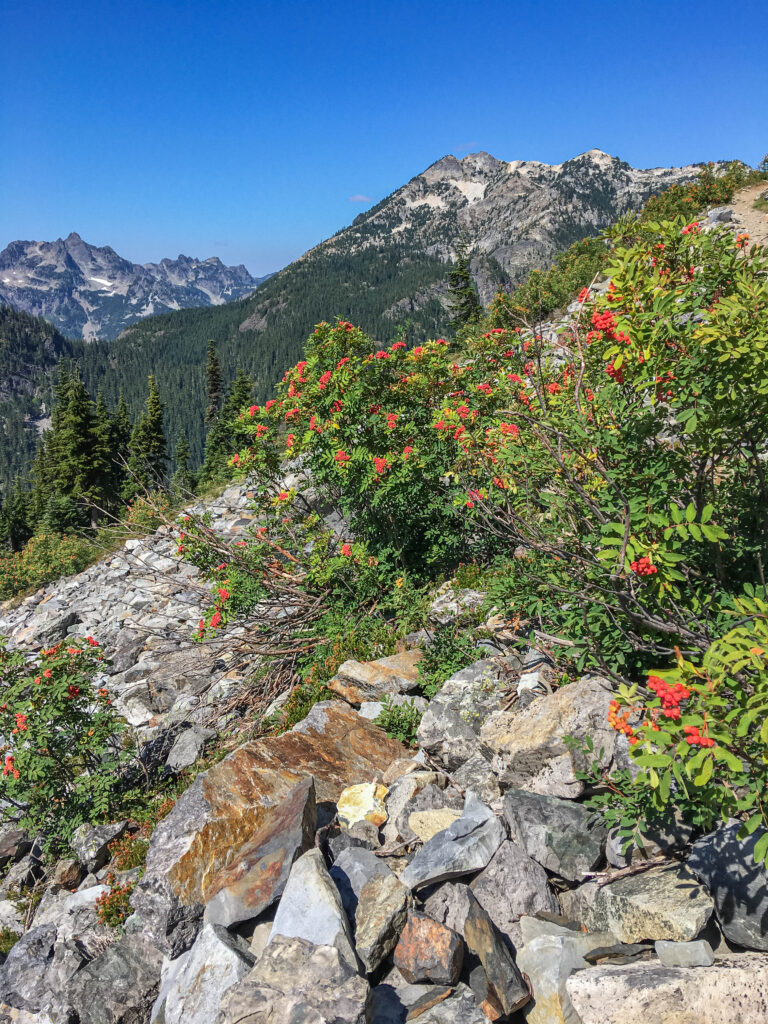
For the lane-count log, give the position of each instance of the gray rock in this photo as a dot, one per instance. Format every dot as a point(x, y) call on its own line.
point(446, 736)
point(296, 982)
point(659, 838)
point(499, 984)
point(661, 903)
point(428, 798)
point(577, 904)
point(379, 919)
point(720, 214)
point(512, 885)
point(528, 749)
point(478, 775)
point(548, 961)
point(352, 870)
point(458, 1008)
point(120, 985)
point(734, 990)
point(464, 847)
point(739, 886)
point(558, 834)
point(91, 842)
point(14, 844)
point(188, 747)
point(452, 602)
point(449, 905)
point(311, 909)
point(399, 796)
point(193, 984)
point(75, 916)
point(23, 976)
point(685, 954)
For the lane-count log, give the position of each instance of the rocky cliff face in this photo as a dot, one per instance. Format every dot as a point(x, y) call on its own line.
point(91, 292)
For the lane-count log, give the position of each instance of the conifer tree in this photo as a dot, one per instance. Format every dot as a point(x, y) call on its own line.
point(213, 383)
point(148, 457)
point(120, 441)
point(464, 303)
point(184, 479)
point(15, 527)
point(77, 461)
point(222, 439)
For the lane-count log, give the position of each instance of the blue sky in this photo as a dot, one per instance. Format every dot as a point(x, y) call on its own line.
point(215, 127)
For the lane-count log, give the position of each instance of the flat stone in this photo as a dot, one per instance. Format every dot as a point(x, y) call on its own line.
point(727, 867)
point(558, 834)
point(258, 875)
point(192, 985)
point(528, 749)
point(296, 982)
point(464, 847)
point(733, 991)
point(311, 909)
point(427, 824)
point(188, 747)
point(429, 951)
point(685, 954)
point(379, 919)
point(363, 802)
point(512, 885)
point(358, 682)
point(505, 988)
point(661, 903)
point(225, 807)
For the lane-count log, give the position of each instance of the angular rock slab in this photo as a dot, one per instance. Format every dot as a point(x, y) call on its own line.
point(558, 834)
point(379, 919)
point(685, 954)
point(511, 885)
point(733, 991)
point(23, 982)
point(296, 982)
point(258, 875)
point(464, 847)
point(663, 903)
point(223, 808)
point(505, 988)
point(352, 870)
point(358, 682)
point(91, 843)
point(120, 986)
point(548, 961)
point(311, 909)
point(429, 951)
point(193, 984)
point(528, 747)
point(739, 886)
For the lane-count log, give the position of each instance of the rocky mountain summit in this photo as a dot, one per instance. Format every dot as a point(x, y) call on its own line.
point(91, 292)
point(332, 874)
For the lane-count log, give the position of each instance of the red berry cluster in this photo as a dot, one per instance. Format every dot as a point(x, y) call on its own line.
point(643, 567)
point(621, 722)
point(614, 374)
point(670, 696)
point(694, 737)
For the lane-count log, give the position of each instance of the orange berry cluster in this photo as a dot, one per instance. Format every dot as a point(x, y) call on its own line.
point(621, 722)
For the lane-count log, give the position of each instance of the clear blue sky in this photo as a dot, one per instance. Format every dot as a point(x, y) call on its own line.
point(242, 129)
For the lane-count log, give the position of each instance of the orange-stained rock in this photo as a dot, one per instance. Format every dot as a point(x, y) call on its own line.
point(358, 681)
point(428, 951)
point(227, 805)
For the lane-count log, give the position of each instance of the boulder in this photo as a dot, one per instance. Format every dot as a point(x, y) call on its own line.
point(14, 844)
point(295, 981)
point(662, 903)
point(225, 806)
point(23, 976)
point(451, 602)
point(311, 909)
point(351, 871)
point(464, 847)
point(258, 875)
point(193, 984)
point(528, 749)
point(358, 682)
point(739, 886)
point(512, 885)
point(363, 802)
point(449, 904)
point(75, 917)
point(188, 746)
point(734, 990)
point(685, 954)
point(91, 843)
point(120, 985)
point(429, 951)
point(429, 798)
point(478, 775)
point(558, 834)
point(67, 874)
point(547, 962)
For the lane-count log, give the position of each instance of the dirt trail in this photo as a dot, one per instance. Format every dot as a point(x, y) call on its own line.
point(754, 222)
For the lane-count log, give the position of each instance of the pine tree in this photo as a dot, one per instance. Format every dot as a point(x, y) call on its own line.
point(464, 303)
point(184, 479)
point(104, 469)
point(148, 457)
point(120, 442)
point(77, 461)
point(15, 527)
point(213, 383)
point(223, 440)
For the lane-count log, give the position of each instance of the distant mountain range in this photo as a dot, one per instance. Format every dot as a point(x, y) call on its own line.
point(89, 291)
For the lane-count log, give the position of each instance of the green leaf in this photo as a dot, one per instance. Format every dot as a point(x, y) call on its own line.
point(705, 774)
point(690, 512)
point(760, 852)
point(653, 760)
